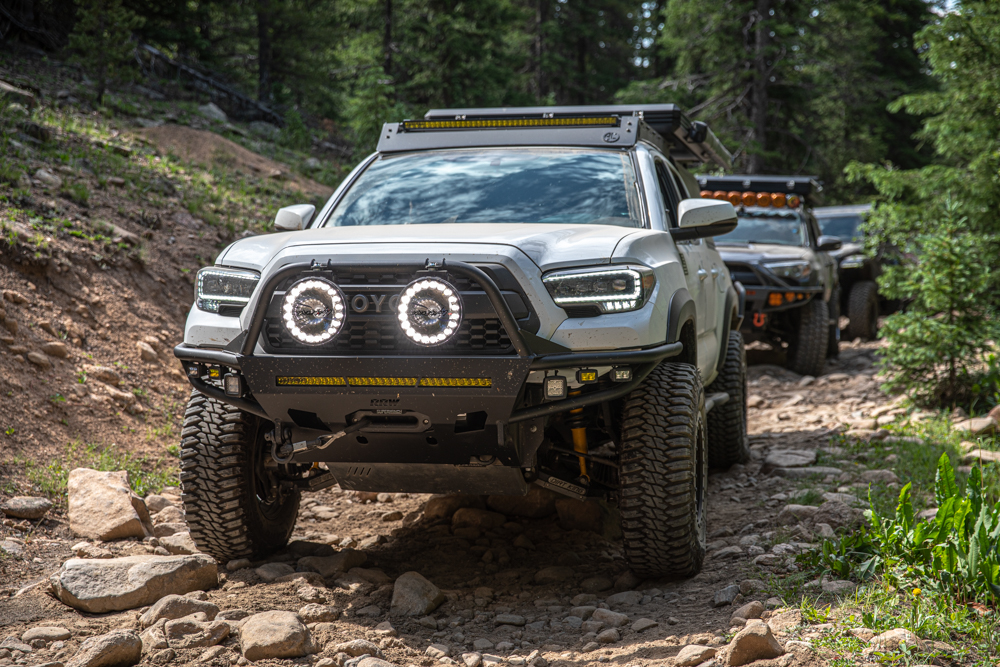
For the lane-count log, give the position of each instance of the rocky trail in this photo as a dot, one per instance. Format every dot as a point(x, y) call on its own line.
point(456, 579)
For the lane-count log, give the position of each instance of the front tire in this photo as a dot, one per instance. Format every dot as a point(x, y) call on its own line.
point(807, 354)
point(862, 310)
point(727, 423)
point(664, 474)
point(833, 340)
point(232, 508)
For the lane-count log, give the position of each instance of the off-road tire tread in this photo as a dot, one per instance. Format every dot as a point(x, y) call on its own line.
point(727, 423)
point(663, 532)
point(216, 483)
point(864, 294)
point(833, 342)
point(808, 355)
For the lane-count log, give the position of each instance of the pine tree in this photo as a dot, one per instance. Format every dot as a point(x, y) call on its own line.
point(102, 39)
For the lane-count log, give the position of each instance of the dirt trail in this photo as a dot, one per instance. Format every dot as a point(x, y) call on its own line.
point(496, 573)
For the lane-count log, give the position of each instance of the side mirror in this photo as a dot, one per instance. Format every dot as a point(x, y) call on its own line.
point(700, 218)
point(829, 243)
point(294, 218)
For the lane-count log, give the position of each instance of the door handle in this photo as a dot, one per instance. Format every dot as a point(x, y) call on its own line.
point(702, 274)
point(715, 272)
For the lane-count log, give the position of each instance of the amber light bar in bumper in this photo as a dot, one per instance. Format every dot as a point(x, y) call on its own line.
point(323, 381)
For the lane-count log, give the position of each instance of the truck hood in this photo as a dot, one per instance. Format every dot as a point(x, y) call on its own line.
point(763, 252)
point(548, 246)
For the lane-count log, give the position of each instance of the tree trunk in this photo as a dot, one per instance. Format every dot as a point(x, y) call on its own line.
point(102, 62)
point(387, 39)
point(758, 96)
point(540, 91)
point(264, 50)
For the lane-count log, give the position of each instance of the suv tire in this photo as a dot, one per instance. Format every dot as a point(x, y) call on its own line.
point(222, 479)
point(664, 474)
point(833, 338)
point(862, 310)
point(727, 423)
point(807, 354)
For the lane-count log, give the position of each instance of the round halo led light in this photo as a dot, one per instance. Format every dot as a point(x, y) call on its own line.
point(313, 311)
point(429, 311)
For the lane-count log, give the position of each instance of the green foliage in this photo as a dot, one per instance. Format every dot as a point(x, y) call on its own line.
point(78, 192)
point(102, 40)
point(145, 475)
point(295, 134)
point(943, 218)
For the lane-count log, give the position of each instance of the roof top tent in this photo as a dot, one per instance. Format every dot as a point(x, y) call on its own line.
point(664, 125)
point(807, 187)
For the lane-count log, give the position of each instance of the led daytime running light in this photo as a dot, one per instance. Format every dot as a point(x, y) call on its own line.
point(313, 311)
point(429, 311)
point(636, 293)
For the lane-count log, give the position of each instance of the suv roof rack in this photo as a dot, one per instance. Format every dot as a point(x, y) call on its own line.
point(807, 187)
point(613, 125)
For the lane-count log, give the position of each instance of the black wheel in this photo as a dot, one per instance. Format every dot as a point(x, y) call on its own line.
point(727, 423)
point(807, 353)
point(231, 506)
point(833, 338)
point(664, 473)
point(862, 310)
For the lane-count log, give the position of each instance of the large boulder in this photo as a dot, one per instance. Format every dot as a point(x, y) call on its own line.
point(754, 642)
point(116, 584)
point(275, 634)
point(413, 595)
point(118, 648)
point(102, 506)
point(537, 504)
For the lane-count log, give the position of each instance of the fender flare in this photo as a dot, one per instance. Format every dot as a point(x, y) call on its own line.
point(680, 311)
point(736, 296)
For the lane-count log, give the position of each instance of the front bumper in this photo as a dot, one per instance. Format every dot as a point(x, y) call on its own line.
point(768, 294)
point(414, 418)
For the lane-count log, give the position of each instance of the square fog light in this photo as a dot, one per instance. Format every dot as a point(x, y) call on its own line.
point(621, 374)
point(232, 385)
point(556, 387)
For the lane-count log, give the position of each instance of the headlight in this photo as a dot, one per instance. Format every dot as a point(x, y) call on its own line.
point(313, 311)
point(429, 311)
point(797, 270)
point(217, 286)
point(612, 290)
point(852, 262)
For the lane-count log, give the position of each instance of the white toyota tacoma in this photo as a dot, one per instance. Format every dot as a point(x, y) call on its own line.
point(495, 298)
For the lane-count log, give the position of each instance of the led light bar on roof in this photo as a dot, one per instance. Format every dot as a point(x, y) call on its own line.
point(507, 123)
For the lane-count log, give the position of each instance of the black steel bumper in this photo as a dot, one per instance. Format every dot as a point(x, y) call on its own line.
point(304, 405)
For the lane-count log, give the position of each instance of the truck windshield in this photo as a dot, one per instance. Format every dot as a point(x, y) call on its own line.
point(766, 227)
point(523, 185)
point(844, 227)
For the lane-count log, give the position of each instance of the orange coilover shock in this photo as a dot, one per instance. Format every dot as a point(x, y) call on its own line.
point(578, 426)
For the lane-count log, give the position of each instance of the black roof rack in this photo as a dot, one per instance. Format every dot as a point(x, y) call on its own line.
point(807, 187)
point(613, 125)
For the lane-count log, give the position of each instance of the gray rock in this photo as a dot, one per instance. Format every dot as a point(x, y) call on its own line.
point(271, 571)
point(472, 659)
point(102, 506)
point(750, 610)
point(773, 603)
point(172, 607)
point(357, 647)
point(118, 648)
point(154, 637)
point(11, 547)
point(793, 514)
point(750, 586)
point(157, 503)
point(443, 507)
point(583, 611)
point(331, 566)
point(169, 514)
point(25, 507)
point(509, 619)
point(275, 634)
point(627, 581)
point(238, 564)
point(610, 618)
point(883, 476)
point(644, 624)
point(438, 651)
point(470, 517)
point(212, 111)
point(891, 639)
point(232, 615)
point(790, 458)
point(413, 595)
point(726, 595)
point(596, 584)
point(609, 636)
point(727, 552)
point(191, 633)
point(754, 642)
point(374, 662)
point(839, 587)
point(802, 473)
point(838, 515)
point(163, 657)
point(46, 633)
point(318, 613)
point(100, 586)
point(695, 654)
point(167, 529)
point(624, 599)
point(179, 544)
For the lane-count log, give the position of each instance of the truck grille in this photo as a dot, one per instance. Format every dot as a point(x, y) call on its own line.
point(371, 332)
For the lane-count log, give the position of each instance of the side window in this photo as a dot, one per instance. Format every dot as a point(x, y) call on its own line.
point(678, 184)
point(668, 192)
